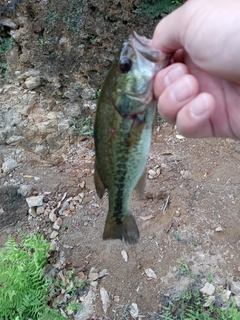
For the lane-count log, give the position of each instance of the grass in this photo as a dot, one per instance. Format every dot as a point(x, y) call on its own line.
point(83, 127)
point(190, 307)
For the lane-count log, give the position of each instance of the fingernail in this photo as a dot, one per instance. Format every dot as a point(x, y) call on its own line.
point(200, 106)
point(173, 75)
point(182, 90)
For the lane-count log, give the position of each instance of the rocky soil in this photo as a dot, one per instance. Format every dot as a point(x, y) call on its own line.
point(189, 217)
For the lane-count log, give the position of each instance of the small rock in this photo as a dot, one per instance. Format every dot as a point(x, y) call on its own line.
point(87, 93)
point(53, 245)
point(40, 210)
point(33, 82)
point(134, 310)
point(226, 294)
point(94, 284)
point(71, 94)
point(102, 273)
point(35, 201)
point(208, 289)
point(25, 190)
point(8, 23)
point(105, 299)
point(93, 276)
point(235, 287)
point(116, 299)
point(219, 229)
point(124, 255)
point(57, 224)
point(150, 273)
point(9, 165)
point(151, 173)
point(63, 125)
point(209, 301)
point(178, 213)
point(54, 234)
point(87, 307)
point(64, 207)
point(52, 216)
point(237, 299)
point(82, 184)
point(32, 212)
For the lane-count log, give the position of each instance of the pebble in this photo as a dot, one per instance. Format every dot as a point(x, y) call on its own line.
point(53, 245)
point(52, 216)
point(9, 165)
point(178, 213)
point(40, 210)
point(57, 224)
point(237, 299)
point(87, 307)
point(32, 212)
point(226, 294)
point(35, 201)
point(124, 255)
point(150, 273)
point(93, 276)
point(64, 207)
point(105, 299)
point(102, 273)
point(209, 301)
point(208, 289)
point(54, 234)
point(219, 229)
point(134, 310)
point(25, 190)
point(235, 287)
point(33, 82)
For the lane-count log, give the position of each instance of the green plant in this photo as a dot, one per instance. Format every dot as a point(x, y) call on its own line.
point(23, 289)
point(96, 95)
point(190, 307)
point(5, 46)
point(73, 306)
point(184, 268)
point(156, 8)
point(83, 127)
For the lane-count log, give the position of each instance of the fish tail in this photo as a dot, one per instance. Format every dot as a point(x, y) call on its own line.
point(125, 229)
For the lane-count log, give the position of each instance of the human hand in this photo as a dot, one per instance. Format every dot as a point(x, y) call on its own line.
point(200, 90)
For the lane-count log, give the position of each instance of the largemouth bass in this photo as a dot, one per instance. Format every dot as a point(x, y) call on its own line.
point(123, 131)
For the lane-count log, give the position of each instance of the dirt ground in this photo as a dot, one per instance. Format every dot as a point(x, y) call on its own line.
point(201, 178)
point(190, 212)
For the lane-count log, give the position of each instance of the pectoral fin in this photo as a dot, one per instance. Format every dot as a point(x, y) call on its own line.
point(140, 187)
point(100, 187)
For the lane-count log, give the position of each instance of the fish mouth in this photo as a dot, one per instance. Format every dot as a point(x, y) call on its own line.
point(143, 45)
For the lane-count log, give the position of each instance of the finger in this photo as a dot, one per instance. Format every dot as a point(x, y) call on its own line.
point(167, 37)
point(167, 76)
point(193, 120)
point(176, 96)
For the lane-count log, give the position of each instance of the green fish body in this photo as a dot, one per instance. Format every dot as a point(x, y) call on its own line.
point(123, 131)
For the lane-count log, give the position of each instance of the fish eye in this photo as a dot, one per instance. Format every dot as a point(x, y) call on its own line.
point(125, 65)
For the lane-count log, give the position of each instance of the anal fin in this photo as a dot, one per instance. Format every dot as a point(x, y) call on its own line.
point(99, 185)
point(140, 187)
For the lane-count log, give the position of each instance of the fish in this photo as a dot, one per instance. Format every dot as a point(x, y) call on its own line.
point(123, 131)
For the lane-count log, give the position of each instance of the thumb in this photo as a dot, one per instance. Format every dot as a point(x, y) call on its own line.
point(167, 34)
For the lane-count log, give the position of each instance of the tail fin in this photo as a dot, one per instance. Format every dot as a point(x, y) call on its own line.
point(126, 230)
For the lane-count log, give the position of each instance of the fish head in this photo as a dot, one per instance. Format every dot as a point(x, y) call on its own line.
point(133, 73)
